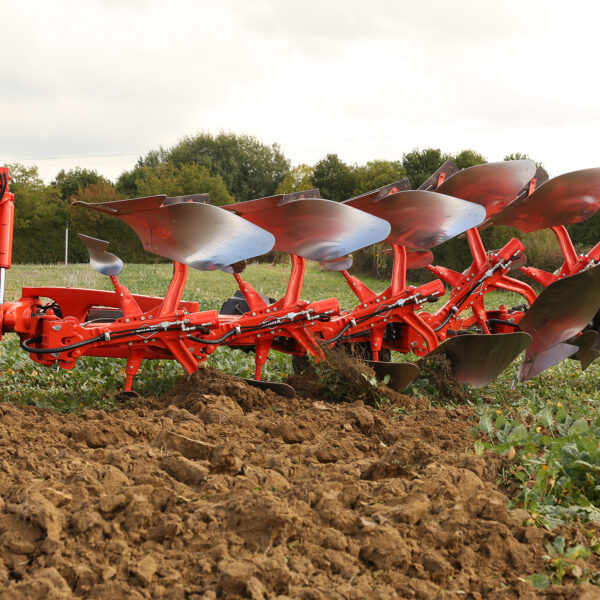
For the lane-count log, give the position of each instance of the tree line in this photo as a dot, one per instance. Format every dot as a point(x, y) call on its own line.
point(231, 168)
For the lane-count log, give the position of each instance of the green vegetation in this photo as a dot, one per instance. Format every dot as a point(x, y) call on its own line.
point(562, 561)
point(232, 168)
point(549, 428)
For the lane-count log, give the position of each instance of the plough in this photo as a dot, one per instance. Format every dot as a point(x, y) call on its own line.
point(190, 232)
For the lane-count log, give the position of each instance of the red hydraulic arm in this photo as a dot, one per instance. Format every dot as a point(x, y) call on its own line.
point(7, 217)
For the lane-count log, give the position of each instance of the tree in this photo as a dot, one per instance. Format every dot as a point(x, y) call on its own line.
point(334, 178)
point(297, 179)
point(40, 218)
point(469, 158)
point(420, 164)
point(517, 156)
point(123, 240)
point(377, 173)
point(249, 168)
point(523, 156)
point(69, 182)
point(165, 178)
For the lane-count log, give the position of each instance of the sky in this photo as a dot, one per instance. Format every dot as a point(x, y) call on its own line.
point(99, 83)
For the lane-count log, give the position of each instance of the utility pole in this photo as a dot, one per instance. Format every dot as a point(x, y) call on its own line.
point(67, 245)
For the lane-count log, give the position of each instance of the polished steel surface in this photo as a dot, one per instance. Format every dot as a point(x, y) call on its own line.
point(430, 184)
point(477, 359)
point(422, 219)
point(339, 264)
point(101, 261)
point(536, 363)
point(199, 235)
point(562, 310)
point(493, 185)
point(569, 198)
point(400, 374)
point(419, 259)
point(586, 353)
point(317, 229)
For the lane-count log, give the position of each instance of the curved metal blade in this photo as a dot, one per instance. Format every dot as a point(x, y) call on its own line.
point(517, 264)
point(317, 229)
point(477, 359)
point(123, 207)
point(260, 204)
point(536, 363)
point(493, 185)
point(422, 219)
point(380, 192)
point(201, 236)
point(282, 389)
point(586, 353)
point(339, 264)
point(101, 261)
point(569, 198)
point(401, 374)
point(419, 259)
point(562, 310)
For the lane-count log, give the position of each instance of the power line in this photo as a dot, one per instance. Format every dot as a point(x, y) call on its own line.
point(72, 157)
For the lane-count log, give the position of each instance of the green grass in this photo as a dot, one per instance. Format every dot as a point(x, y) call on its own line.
point(548, 426)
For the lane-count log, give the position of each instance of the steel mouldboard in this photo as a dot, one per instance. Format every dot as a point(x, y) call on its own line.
point(493, 185)
point(477, 359)
point(569, 198)
point(318, 229)
point(101, 261)
point(199, 235)
point(421, 219)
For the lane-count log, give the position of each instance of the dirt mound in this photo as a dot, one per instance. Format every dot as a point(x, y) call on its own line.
point(222, 490)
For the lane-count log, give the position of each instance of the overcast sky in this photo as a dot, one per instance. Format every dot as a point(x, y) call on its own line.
point(98, 83)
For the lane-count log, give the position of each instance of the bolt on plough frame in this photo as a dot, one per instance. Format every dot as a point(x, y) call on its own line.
point(192, 233)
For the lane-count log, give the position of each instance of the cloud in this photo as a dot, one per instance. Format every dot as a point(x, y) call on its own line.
point(367, 80)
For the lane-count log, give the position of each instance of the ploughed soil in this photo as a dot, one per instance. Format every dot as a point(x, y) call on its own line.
point(220, 490)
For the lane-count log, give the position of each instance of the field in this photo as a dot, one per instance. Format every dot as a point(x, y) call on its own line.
point(214, 490)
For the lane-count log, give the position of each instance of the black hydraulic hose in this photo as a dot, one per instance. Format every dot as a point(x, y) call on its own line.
point(458, 305)
point(36, 340)
point(215, 341)
point(99, 338)
point(155, 329)
point(338, 335)
point(376, 312)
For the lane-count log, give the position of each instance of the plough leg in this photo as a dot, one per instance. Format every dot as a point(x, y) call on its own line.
point(134, 361)
point(261, 356)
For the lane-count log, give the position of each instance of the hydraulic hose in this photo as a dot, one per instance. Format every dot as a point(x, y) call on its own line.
point(215, 341)
point(36, 340)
